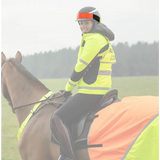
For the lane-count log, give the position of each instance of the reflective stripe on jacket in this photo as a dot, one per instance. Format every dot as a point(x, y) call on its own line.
point(95, 77)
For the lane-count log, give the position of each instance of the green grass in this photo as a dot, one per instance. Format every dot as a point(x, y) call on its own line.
point(136, 86)
point(127, 86)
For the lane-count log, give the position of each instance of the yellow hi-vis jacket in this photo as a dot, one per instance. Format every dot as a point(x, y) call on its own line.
point(93, 76)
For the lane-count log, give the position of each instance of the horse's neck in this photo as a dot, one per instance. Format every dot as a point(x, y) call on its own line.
point(24, 111)
point(23, 93)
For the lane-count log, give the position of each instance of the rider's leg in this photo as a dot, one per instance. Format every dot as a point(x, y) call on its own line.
point(64, 137)
point(74, 107)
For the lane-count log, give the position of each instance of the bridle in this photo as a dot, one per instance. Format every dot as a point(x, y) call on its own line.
point(48, 100)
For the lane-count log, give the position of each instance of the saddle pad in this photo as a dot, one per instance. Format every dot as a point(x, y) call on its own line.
point(123, 127)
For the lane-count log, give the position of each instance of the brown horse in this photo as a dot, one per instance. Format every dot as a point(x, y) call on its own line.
point(21, 89)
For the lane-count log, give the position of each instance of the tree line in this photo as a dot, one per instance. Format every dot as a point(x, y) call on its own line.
point(141, 59)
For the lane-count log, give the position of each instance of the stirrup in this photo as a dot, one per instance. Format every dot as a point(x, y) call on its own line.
point(61, 157)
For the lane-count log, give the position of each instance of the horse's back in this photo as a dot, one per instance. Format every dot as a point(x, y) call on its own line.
point(127, 130)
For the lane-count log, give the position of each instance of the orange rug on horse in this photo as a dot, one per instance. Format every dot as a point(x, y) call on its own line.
point(123, 135)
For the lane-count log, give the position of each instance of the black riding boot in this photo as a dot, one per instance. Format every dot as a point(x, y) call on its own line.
point(64, 137)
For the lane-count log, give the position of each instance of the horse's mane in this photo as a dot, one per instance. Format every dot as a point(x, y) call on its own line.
point(24, 72)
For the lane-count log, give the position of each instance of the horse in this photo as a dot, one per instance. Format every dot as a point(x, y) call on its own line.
point(126, 130)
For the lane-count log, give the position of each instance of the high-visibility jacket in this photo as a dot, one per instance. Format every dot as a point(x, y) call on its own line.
point(95, 77)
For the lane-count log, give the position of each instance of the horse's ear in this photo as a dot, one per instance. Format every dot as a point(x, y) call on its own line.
point(3, 58)
point(18, 57)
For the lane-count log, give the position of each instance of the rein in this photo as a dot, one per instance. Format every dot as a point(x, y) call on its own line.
point(17, 107)
point(36, 108)
point(48, 99)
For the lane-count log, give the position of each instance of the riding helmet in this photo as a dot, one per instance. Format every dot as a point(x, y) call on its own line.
point(88, 13)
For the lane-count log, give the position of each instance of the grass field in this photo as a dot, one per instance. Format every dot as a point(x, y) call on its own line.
point(127, 86)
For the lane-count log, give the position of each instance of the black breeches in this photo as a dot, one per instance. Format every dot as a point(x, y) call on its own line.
point(76, 106)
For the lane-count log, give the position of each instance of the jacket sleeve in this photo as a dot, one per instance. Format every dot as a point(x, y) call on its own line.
point(90, 50)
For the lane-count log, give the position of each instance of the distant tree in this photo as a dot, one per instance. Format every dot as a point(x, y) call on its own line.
point(136, 60)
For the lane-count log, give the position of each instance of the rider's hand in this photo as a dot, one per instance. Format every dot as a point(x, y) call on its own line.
point(66, 94)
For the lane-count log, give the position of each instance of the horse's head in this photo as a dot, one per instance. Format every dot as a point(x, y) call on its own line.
point(3, 62)
point(19, 86)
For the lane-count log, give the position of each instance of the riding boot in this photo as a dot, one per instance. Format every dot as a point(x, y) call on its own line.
point(64, 137)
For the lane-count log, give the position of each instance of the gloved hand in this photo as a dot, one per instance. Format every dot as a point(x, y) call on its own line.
point(66, 94)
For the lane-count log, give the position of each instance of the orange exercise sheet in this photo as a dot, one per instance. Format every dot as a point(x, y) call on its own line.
point(119, 124)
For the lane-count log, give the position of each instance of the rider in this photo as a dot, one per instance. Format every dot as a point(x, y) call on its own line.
point(92, 75)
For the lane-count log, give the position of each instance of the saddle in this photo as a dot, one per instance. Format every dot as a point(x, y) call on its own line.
point(80, 126)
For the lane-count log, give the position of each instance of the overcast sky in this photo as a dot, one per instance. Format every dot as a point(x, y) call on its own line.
point(33, 26)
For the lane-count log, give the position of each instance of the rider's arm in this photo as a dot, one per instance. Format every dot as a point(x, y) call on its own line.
point(90, 50)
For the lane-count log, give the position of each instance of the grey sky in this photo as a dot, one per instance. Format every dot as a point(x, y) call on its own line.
point(33, 26)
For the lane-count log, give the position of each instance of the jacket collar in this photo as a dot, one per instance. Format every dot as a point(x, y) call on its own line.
point(101, 29)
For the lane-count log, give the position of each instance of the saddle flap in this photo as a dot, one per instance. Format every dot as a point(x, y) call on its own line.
point(79, 123)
